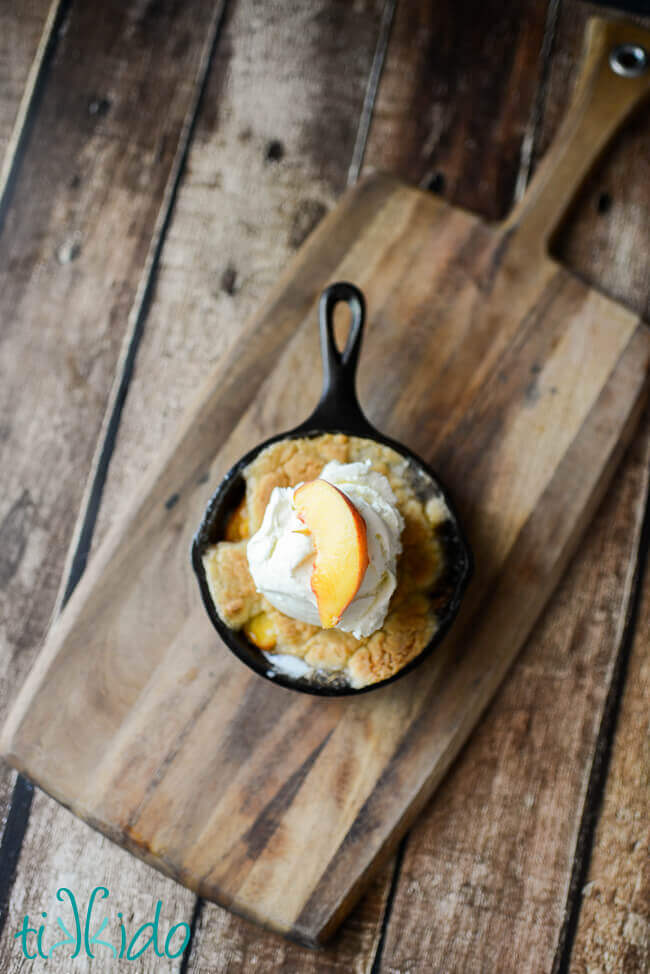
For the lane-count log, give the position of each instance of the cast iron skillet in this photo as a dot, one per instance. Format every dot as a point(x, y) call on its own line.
point(337, 412)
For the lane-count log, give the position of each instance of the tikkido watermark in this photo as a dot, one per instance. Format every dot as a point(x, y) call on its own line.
point(88, 931)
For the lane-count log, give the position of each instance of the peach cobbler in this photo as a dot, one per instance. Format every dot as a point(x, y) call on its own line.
point(332, 564)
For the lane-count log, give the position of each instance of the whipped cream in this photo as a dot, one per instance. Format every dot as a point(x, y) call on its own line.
point(281, 555)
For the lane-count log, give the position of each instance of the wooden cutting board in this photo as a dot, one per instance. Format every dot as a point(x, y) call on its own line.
point(518, 382)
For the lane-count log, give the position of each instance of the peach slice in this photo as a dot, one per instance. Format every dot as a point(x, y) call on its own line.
point(339, 535)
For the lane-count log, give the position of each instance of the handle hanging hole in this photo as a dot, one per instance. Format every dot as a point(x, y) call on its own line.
point(342, 318)
point(628, 60)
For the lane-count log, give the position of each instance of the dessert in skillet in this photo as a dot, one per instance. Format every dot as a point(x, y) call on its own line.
point(334, 563)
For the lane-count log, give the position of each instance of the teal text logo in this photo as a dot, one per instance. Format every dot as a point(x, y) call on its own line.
point(85, 930)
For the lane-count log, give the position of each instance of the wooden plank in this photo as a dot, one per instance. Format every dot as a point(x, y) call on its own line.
point(483, 871)
point(74, 246)
point(85, 214)
point(259, 175)
point(456, 96)
point(66, 853)
point(225, 943)
point(614, 919)
point(23, 38)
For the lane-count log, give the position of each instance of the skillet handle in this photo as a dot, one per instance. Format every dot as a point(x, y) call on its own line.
point(339, 407)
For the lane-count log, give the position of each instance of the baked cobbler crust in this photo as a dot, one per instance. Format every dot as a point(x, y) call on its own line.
point(411, 620)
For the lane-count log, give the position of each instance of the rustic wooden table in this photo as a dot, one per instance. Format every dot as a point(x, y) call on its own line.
point(160, 164)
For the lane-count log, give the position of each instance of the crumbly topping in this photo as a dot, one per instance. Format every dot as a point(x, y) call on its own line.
point(231, 586)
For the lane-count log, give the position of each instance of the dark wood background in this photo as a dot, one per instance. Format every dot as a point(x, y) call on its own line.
point(161, 161)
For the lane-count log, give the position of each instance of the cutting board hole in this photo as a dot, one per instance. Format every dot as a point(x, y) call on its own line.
point(629, 60)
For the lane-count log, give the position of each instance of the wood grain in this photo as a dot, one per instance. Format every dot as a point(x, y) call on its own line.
point(65, 852)
point(84, 210)
point(524, 520)
point(23, 28)
point(225, 943)
point(75, 240)
point(614, 922)
point(483, 872)
point(455, 99)
point(22, 42)
point(255, 182)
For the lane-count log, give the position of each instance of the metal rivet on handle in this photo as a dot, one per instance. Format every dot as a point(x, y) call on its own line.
point(628, 60)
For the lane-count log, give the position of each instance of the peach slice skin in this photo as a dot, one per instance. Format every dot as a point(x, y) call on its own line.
point(339, 535)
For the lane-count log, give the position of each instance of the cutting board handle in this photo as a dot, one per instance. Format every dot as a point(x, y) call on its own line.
point(614, 77)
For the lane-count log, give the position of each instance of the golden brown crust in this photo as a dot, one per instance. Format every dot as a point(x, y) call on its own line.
point(411, 620)
point(330, 649)
point(407, 629)
point(231, 585)
point(291, 634)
